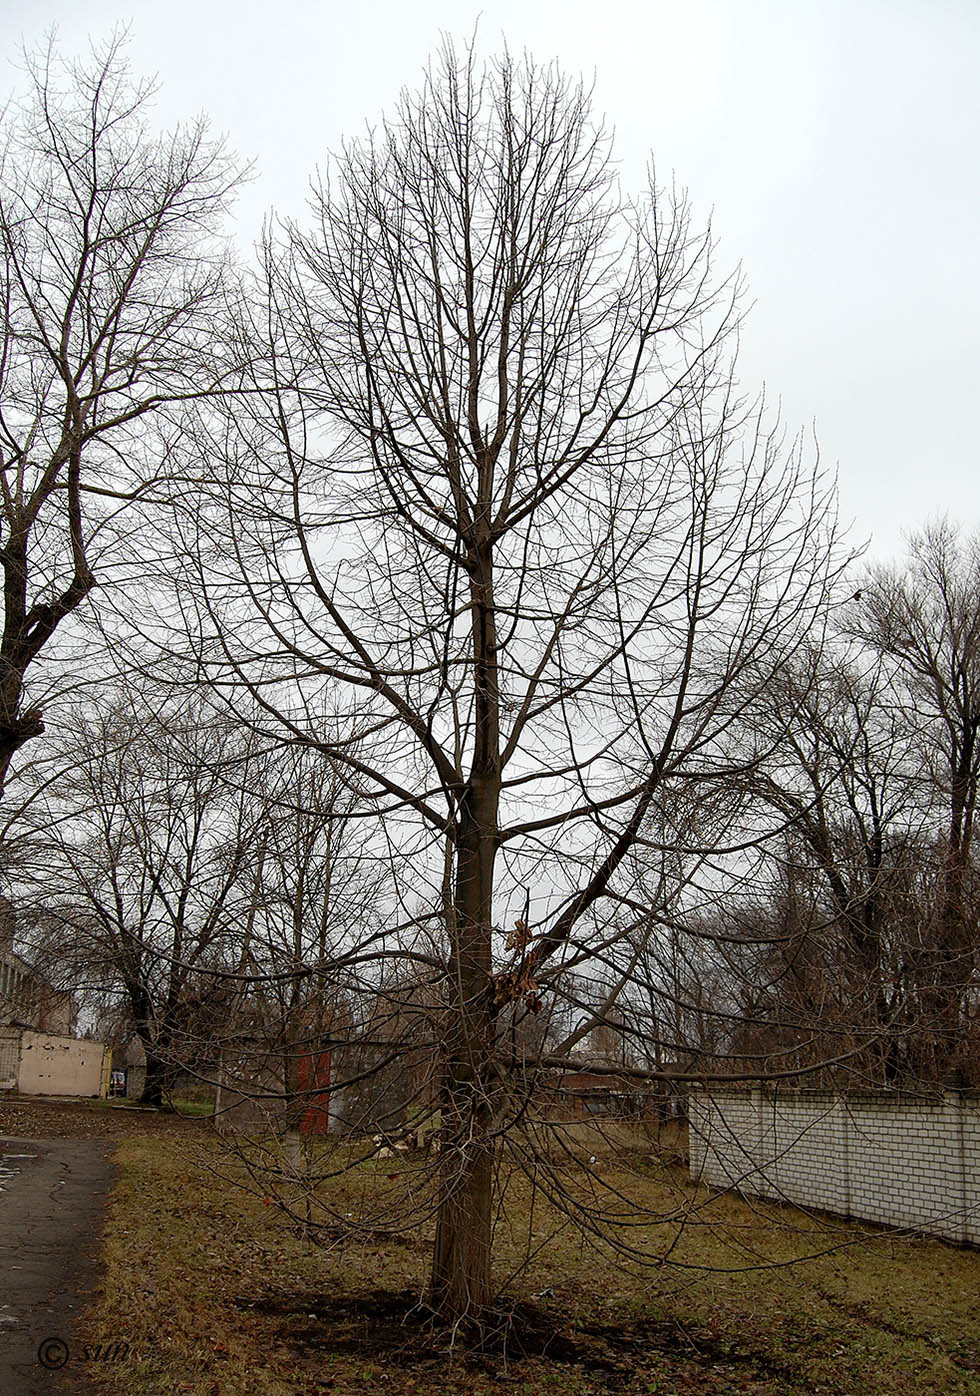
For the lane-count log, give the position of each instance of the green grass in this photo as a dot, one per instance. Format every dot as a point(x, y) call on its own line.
point(221, 1296)
point(184, 1105)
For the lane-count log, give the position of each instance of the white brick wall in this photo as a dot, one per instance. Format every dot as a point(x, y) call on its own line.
point(899, 1160)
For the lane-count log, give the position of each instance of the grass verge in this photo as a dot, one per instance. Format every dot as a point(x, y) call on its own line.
point(217, 1295)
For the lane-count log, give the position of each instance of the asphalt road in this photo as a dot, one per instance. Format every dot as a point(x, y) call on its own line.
point(51, 1197)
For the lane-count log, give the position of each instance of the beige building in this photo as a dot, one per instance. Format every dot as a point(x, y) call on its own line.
point(39, 1052)
point(27, 1000)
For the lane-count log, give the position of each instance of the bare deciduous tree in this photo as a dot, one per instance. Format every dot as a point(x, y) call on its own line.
point(144, 873)
point(847, 783)
point(109, 270)
point(925, 620)
point(493, 484)
point(869, 902)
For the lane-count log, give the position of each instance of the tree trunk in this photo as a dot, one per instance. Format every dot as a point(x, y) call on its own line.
point(157, 1079)
point(294, 1099)
point(461, 1284)
point(159, 1071)
point(948, 966)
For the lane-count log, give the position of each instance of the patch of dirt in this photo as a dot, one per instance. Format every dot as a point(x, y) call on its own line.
point(33, 1117)
point(393, 1327)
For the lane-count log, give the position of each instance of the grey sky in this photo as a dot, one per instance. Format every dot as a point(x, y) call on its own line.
point(835, 144)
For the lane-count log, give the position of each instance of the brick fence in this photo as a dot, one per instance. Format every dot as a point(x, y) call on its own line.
point(899, 1160)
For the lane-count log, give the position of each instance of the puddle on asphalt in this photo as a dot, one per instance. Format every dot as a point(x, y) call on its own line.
point(7, 1173)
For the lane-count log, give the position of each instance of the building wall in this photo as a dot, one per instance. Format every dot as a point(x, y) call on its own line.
point(249, 1098)
point(9, 1058)
point(905, 1161)
point(250, 1095)
point(133, 1062)
point(54, 1065)
point(19, 998)
point(28, 1000)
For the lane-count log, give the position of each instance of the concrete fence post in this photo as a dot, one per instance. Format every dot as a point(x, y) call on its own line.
point(954, 1111)
point(844, 1116)
point(758, 1161)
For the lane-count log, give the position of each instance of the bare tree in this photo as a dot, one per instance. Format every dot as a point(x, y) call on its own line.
point(869, 897)
point(143, 873)
point(109, 272)
point(493, 484)
point(847, 784)
point(924, 619)
point(314, 895)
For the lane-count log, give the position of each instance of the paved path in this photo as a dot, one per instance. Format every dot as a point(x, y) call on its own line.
point(51, 1197)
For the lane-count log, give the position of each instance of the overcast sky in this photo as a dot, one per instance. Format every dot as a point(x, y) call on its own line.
point(834, 143)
